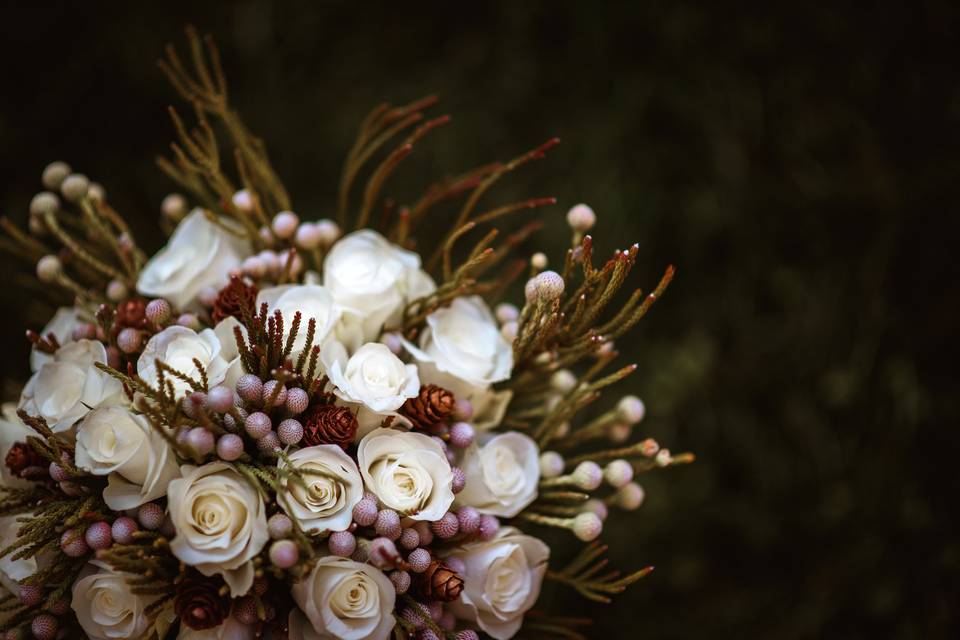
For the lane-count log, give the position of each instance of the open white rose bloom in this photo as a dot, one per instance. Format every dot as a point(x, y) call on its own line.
point(312, 429)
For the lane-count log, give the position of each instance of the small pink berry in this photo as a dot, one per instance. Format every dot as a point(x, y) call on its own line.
point(220, 399)
point(469, 519)
point(123, 529)
point(158, 311)
point(459, 480)
point(446, 527)
point(290, 431)
point(44, 627)
point(436, 610)
point(31, 594)
point(285, 224)
point(200, 440)
point(468, 634)
point(365, 512)
point(416, 617)
point(188, 320)
point(489, 525)
point(388, 524)
point(57, 474)
point(297, 401)
point(113, 357)
point(419, 560)
point(129, 340)
point(284, 554)
point(193, 402)
point(150, 516)
point(60, 607)
point(230, 447)
point(250, 387)
point(463, 409)
point(342, 543)
point(401, 581)
point(269, 443)
point(268, 390)
point(308, 236)
point(428, 634)
point(409, 539)
point(257, 425)
point(461, 435)
point(73, 544)
point(98, 536)
point(279, 526)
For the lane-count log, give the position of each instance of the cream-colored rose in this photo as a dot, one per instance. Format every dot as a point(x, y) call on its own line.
point(64, 321)
point(461, 348)
point(333, 487)
point(220, 521)
point(501, 581)
point(373, 378)
point(502, 474)
point(343, 599)
point(199, 254)
point(229, 630)
point(312, 301)
point(138, 462)
point(372, 280)
point(408, 472)
point(178, 347)
point(105, 605)
point(66, 388)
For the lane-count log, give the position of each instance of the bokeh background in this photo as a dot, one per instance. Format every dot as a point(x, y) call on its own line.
point(798, 164)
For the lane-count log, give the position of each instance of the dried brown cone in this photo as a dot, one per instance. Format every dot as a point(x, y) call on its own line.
point(329, 424)
point(440, 582)
point(236, 299)
point(22, 456)
point(433, 405)
point(198, 602)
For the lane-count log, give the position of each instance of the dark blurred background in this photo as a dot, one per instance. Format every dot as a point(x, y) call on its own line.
point(799, 166)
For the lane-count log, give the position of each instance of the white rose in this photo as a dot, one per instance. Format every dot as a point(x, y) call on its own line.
point(178, 347)
point(231, 629)
point(333, 487)
point(199, 254)
point(501, 581)
point(137, 459)
point(502, 475)
point(408, 472)
point(105, 605)
point(312, 301)
point(372, 280)
point(462, 349)
point(64, 321)
point(70, 385)
point(220, 521)
point(373, 377)
point(343, 599)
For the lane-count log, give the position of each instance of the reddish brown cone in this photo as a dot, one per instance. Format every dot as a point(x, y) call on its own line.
point(433, 405)
point(236, 299)
point(198, 603)
point(329, 424)
point(440, 582)
point(22, 456)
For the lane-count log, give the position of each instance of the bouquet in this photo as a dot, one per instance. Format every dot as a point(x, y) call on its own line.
point(312, 429)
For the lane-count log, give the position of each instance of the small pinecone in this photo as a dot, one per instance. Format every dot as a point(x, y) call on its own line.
point(131, 313)
point(199, 604)
point(235, 299)
point(329, 424)
point(439, 582)
point(433, 405)
point(22, 456)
